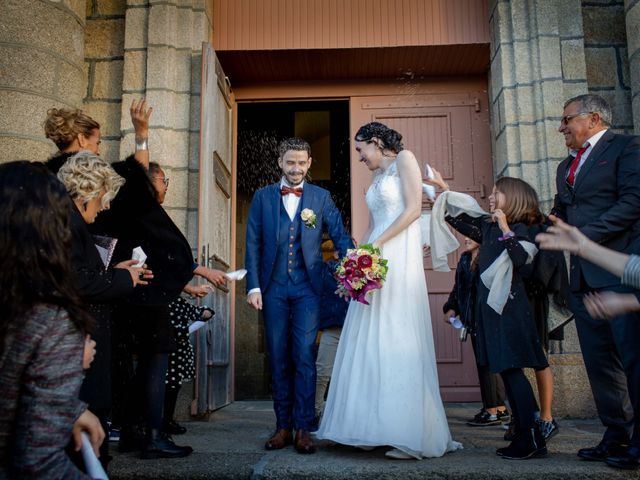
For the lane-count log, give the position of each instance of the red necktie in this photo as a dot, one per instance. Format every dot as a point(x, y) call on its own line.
point(284, 190)
point(571, 178)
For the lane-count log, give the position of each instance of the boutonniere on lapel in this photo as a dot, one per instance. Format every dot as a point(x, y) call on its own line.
point(308, 216)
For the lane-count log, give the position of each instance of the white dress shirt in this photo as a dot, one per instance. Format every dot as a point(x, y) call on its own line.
point(291, 201)
point(592, 143)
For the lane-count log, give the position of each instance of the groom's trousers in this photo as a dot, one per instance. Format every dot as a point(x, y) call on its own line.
point(291, 326)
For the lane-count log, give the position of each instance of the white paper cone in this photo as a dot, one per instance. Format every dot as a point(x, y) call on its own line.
point(236, 275)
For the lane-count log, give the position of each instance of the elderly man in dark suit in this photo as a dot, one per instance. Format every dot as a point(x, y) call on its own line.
point(598, 191)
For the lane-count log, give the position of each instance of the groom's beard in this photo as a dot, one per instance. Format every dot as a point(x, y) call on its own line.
point(290, 183)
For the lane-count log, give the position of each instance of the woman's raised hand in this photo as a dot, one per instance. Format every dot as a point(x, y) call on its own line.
point(437, 180)
point(140, 114)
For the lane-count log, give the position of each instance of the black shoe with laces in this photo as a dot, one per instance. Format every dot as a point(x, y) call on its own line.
point(484, 419)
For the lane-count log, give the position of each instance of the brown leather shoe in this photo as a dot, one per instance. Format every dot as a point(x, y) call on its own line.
point(303, 442)
point(280, 439)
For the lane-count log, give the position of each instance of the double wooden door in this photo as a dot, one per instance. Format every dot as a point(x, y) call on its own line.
point(450, 132)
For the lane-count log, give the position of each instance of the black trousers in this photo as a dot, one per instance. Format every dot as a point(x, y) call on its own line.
point(612, 359)
point(491, 386)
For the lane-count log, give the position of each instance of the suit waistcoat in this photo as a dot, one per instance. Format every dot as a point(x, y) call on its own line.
point(289, 259)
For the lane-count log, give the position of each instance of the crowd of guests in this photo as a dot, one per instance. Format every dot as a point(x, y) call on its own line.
point(596, 218)
point(90, 336)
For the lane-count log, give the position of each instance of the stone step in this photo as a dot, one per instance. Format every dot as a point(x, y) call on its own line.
point(230, 446)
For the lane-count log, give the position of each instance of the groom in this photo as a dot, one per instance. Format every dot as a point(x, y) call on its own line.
point(284, 265)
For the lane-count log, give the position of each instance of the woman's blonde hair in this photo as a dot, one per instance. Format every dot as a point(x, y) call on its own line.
point(522, 204)
point(63, 125)
point(86, 176)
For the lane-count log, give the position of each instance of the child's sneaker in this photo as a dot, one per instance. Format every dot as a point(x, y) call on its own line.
point(504, 416)
point(484, 419)
point(548, 429)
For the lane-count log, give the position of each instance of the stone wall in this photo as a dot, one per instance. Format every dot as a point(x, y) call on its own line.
point(41, 66)
point(162, 48)
point(607, 61)
point(104, 60)
point(632, 18)
point(537, 60)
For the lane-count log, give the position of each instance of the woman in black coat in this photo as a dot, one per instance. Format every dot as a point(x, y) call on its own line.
point(137, 219)
point(92, 183)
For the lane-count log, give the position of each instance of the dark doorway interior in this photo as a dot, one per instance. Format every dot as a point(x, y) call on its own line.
point(261, 126)
point(325, 125)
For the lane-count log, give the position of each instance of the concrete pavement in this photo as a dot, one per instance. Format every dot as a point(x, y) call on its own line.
point(230, 446)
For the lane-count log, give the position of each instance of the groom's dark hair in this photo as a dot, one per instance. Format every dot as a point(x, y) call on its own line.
point(293, 143)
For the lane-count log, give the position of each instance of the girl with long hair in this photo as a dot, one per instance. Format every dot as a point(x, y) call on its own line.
point(506, 336)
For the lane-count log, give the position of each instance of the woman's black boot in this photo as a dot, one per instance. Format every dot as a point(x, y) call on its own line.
point(160, 445)
point(526, 444)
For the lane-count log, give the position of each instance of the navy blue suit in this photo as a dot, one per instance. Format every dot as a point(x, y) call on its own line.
point(604, 204)
point(284, 260)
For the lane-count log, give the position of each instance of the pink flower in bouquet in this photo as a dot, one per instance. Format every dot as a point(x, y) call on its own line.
point(374, 285)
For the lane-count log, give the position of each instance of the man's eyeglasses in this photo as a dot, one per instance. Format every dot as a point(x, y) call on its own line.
point(567, 118)
point(164, 180)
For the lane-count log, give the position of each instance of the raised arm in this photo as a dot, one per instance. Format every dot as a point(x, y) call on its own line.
point(140, 115)
point(562, 236)
point(411, 185)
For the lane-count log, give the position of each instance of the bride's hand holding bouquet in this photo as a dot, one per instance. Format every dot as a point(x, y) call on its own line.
point(361, 271)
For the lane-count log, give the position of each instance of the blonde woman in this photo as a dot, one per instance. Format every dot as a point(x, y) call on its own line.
point(92, 184)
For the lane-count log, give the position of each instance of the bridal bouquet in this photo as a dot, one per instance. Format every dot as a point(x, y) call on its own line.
point(360, 272)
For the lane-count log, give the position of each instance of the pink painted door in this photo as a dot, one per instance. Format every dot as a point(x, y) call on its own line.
point(451, 133)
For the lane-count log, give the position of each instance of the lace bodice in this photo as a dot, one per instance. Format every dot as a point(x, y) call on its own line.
point(384, 199)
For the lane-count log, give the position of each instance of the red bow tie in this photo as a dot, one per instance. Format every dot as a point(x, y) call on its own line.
point(284, 190)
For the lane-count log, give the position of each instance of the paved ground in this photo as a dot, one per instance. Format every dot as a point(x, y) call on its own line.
point(230, 446)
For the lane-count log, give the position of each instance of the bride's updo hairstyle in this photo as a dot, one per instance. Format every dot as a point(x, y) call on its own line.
point(521, 201)
point(391, 140)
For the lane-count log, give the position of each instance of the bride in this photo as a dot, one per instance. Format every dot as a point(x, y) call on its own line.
point(384, 387)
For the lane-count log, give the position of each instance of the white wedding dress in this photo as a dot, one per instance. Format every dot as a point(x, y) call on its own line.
point(384, 386)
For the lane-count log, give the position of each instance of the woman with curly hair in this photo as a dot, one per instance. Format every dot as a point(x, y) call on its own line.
point(42, 329)
point(92, 184)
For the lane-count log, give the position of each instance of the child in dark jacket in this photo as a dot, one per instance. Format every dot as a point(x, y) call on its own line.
point(507, 340)
point(461, 303)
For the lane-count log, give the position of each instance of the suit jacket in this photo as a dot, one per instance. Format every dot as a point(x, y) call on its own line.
point(604, 202)
point(263, 231)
